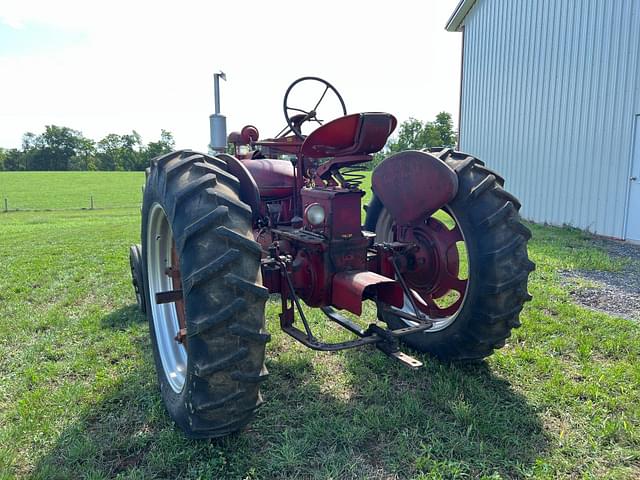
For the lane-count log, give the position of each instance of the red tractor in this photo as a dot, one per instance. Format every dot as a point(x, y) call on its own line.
point(442, 254)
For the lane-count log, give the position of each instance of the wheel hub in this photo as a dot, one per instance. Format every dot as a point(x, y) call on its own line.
point(434, 272)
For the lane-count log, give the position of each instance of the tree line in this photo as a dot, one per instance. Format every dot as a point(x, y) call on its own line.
point(414, 134)
point(63, 148)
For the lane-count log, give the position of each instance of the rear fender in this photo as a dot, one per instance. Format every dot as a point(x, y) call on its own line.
point(249, 193)
point(413, 184)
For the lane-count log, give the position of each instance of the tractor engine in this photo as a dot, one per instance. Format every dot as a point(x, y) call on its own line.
point(326, 247)
point(330, 241)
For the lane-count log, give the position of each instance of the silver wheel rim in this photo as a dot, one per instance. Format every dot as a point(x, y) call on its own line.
point(384, 234)
point(173, 355)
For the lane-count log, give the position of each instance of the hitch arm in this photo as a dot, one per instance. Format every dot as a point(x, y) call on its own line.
point(384, 339)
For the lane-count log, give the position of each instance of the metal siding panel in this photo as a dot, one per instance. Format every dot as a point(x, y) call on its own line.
point(548, 96)
point(563, 109)
point(532, 178)
point(500, 72)
point(470, 96)
point(606, 68)
point(587, 123)
point(550, 118)
point(634, 90)
point(579, 92)
point(631, 77)
point(614, 204)
point(635, 40)
point(604, 102)
point(566, 109)
point(541, 115)
point(491, 99)
point(509, 66)
point(524, 120)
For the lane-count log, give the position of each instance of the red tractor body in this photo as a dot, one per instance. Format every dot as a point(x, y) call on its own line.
point(311, 229)
point(442, 254)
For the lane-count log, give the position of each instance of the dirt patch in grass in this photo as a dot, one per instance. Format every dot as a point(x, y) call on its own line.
point(613, 292)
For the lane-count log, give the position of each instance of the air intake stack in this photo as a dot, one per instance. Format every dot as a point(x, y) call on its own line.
point(217, 121)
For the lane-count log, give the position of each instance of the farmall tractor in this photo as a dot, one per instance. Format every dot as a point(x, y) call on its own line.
point(442, 255)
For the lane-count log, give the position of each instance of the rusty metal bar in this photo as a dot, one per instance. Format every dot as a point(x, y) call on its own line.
point(169, 296)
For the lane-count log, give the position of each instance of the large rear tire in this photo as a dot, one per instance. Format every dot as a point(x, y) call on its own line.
point(193, 221)
point(498, 264)
point(135, 263)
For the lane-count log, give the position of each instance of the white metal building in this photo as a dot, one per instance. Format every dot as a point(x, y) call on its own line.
point(550, 98)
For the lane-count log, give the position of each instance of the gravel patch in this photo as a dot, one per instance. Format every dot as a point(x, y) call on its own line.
point(615, 293)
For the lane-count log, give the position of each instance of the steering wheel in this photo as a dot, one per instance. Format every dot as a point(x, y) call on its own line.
point(294, 122)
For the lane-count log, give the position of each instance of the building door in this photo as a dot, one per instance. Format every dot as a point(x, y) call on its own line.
point(633, 212)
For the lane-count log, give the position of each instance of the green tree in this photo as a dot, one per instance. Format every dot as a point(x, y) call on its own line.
point(414, 134)
point(119, 152)
point(14, 160)
point(54, 149)
point(444, 127)
point(62, 148)
point(411, 136)
point(31, 151)
point(85, 155)
point(166, 144)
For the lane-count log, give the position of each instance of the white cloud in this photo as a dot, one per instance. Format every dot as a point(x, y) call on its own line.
point(149, 65)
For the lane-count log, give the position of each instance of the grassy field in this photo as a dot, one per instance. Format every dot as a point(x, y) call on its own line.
point(79, 397)
point(70, 190)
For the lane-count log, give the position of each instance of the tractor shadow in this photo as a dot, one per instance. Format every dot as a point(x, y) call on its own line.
point(355, 414)
point(383, 420)
point(123, 318)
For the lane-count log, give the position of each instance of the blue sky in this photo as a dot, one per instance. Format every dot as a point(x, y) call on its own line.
point(103, 67)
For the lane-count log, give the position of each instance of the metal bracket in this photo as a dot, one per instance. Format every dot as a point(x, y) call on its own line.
point(169, 296)
point(408, 293)
point(384, 339)
point(406, 360)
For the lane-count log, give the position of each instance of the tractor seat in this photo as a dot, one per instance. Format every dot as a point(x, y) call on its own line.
point(275, 178)
point(356, 134)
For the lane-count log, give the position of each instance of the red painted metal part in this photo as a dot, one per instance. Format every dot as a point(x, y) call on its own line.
point(275, 178)
point(413, 184)
point(335, 263)
point(349, 288)
point(319, 252)
point(314, 262)
point(342, 207)
point(435, 267)
point(176, 280)
point(249, 134)
point(356, 134)
point(283, 145)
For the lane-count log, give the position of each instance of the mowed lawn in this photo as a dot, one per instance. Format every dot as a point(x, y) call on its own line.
point(70, 190)
point(79, 396)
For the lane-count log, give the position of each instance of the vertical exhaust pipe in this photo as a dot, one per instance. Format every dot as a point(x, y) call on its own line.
point(217, 121)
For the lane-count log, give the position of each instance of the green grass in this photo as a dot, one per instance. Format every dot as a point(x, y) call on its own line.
point(70, 190)
point(79, 397)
